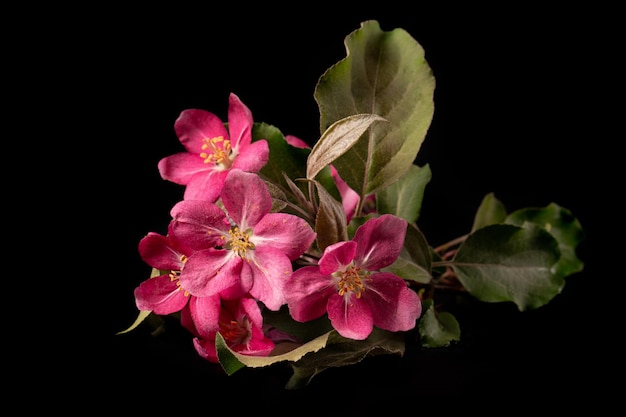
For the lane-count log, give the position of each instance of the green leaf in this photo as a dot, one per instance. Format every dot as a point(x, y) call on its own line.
point(227, 357)
point(490, 211)
point(437, 329)
point(303, 331)
point(404, 197)
point(384, 73)
point(504, 262)
point(140, 318)
point(561, 223)
point(341, 351)
point(279, 199)
point(415, 260)
point(143, 315)
point(336, 140)
point(232, 361)
point(283, 157)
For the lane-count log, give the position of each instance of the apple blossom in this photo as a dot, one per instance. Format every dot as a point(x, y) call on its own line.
point(349, 286)
point(212, 150)
point(246, 246)
point(163, 294)
point(240, 324)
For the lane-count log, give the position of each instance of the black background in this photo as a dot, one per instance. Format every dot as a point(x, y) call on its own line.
point(516, 113)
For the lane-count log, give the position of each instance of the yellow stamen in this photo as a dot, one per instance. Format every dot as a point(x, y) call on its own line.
point(239, 241)
point(218, 151)
point(175, 275)
point(352, 280)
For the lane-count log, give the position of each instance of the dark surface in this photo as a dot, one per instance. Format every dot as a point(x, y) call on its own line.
point(512, 112)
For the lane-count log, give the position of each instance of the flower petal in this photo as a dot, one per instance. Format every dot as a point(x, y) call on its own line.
point(161, 295)
point(246, 198)
point(206, 348)
point(205, 313)
point(352, 319)
point(286, 233)
point(249, 307)
point(199, 224)
point(186, 321)
point(253, 157)
point(380, 241)
point(157, 251)
point(395, 307)
point(206, 185)
point(296, 142)
point(194, 125)
point(336, 256)
point(270, 270)
point(180, 167)
point(239, 122)
point(258, 345)
point(208, 272)
point(307, 292)
point(349, 197)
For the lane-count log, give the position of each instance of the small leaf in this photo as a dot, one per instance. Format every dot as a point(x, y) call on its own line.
point(140, 318)
point(227, 357)
point(303, 207)
point(437, 329)
point(279, 199)
point(336, 140)
point(154, 272)
point(509, 263)
point(284, 158)
point(232, 361)
point(341, 351)
point(490, 211)
point(404, 197)
point(561, 224)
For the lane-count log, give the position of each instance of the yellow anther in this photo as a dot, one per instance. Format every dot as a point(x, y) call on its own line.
point(218, 151)
point(352, 280)
point(239, 241)
point(175, 275)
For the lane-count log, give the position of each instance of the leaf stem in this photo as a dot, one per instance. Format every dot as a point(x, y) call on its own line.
point(454, 242)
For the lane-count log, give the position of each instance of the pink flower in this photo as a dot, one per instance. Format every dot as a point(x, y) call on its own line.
point(248, 248)
point(348, 285)
point(212, 150)
point(241, 326)
point(163, 294)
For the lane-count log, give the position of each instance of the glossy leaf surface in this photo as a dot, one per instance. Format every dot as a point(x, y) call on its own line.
point(384, 73)
point(510, 263)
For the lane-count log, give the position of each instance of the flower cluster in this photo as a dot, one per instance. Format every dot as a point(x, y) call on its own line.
point(227, 255)
point(280, 251)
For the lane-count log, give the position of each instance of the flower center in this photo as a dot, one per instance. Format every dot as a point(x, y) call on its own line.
point(235, 333)
point(218, 151)
point(351, 280)
point(175, 275)
point(239, 241)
